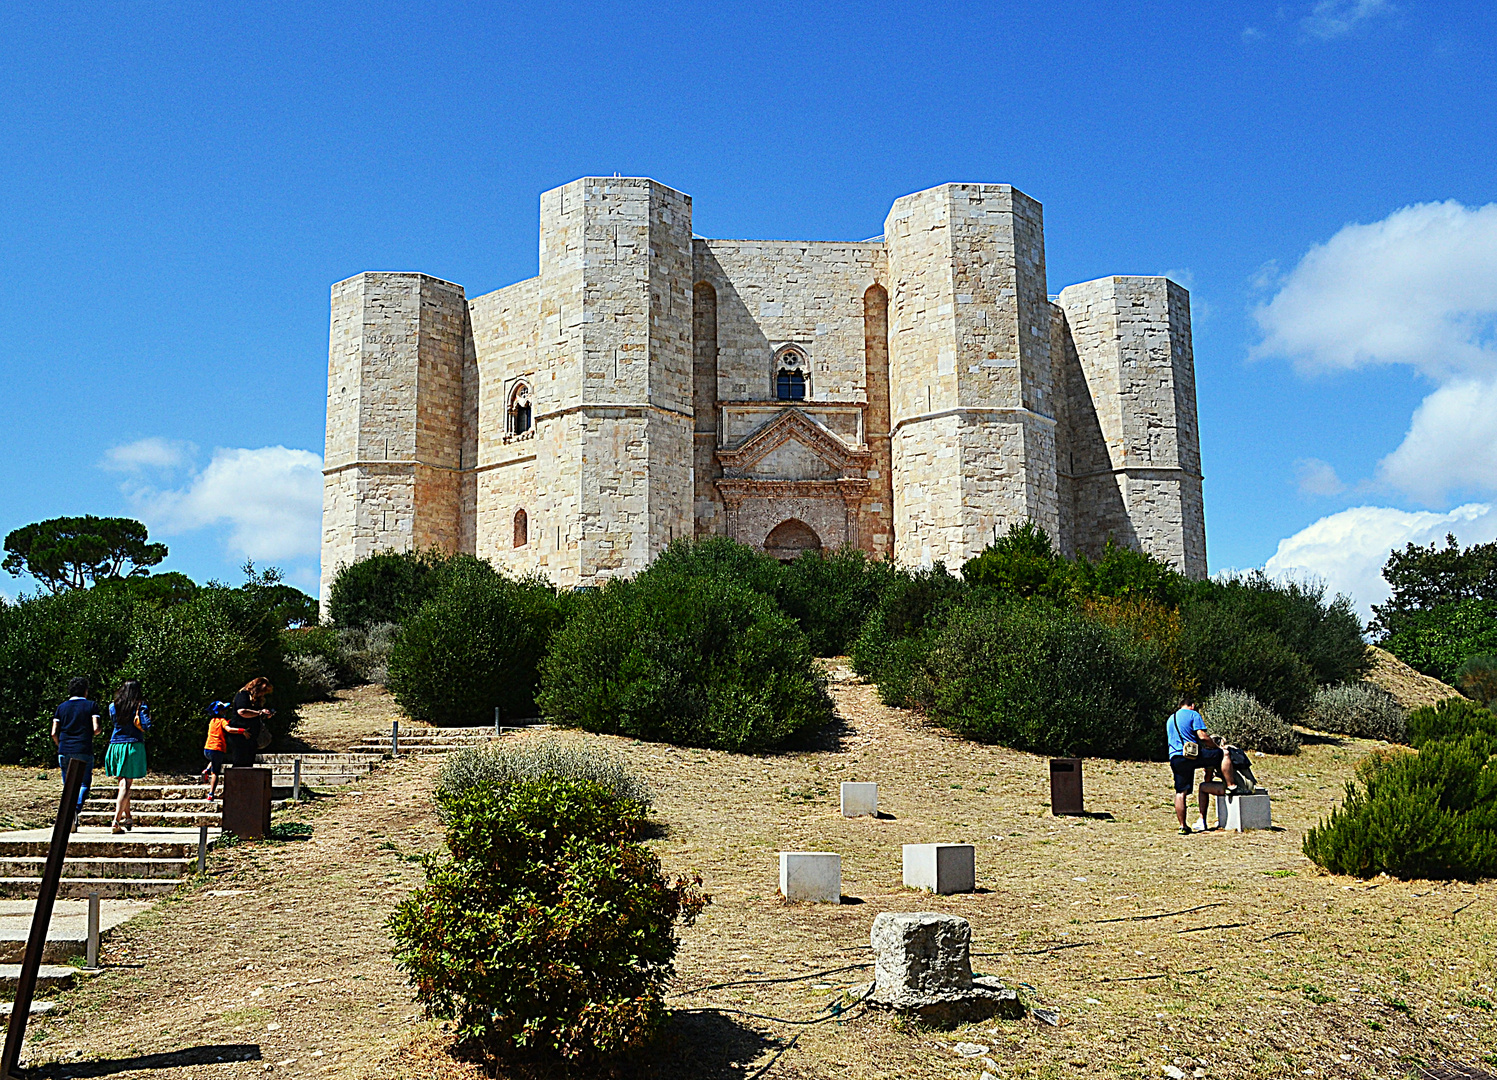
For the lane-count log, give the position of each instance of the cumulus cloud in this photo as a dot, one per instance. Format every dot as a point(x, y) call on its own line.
point(152, 453)
point(269, 500)
point(1317, 477)
point(1334, 18)
point(1347, 550)
point(1418, 288)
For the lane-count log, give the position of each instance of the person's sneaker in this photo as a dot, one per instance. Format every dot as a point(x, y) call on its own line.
point(1186, 830)
point(77, 822)
point(1199, 826)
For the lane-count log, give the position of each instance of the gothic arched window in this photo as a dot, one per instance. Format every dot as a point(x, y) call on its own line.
point(791, 374)
point(519, 413)
point(522, 529)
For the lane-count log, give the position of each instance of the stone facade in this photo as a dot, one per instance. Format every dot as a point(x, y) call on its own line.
point(911, 395)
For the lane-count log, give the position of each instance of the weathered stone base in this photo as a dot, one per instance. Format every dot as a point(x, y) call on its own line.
point(923, 969)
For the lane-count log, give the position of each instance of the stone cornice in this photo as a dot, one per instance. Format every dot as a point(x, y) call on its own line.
point(997, 412)
point(794, 424)
point(735, 490)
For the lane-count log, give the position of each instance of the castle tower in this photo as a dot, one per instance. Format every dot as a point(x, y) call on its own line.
point(1134, 454)
point(614, 408)
point(970, 371)
point(398, 348)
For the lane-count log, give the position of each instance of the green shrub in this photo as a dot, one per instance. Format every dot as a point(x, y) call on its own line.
point(892, 643)
point(1021, 563)
point(551, 928)
point(555, 759)
point(1454, 718)
point(830, 595)
point(720, 557)
point(1242, 720)
point(1224, 652)
point(1477, 679)
point(695, 661)
point(1358, 709)
point(1438, 641)
point(391, 586)
point(366, 651)
point(1049, 681)
point(1427, 815)
point(315, 678)
point(324, 643)
point(473, 647)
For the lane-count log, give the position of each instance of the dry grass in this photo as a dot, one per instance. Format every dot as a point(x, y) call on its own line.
point(334, 726)
point(1410, 688)
point(1290, 970)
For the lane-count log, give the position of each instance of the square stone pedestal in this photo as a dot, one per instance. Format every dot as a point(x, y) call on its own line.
point(1241, 812)
point(811, 877)
point(940, 868)
point(859, 799)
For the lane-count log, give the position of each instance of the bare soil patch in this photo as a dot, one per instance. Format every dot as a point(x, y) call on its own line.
point(334, 726)
point(1280, 968)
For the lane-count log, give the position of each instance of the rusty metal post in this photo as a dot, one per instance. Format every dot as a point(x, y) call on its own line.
point(46, 899)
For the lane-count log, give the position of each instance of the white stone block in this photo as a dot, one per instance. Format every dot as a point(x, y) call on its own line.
point(811, 877)
point(858, 799)
point(940, 868)
point(1241, 812)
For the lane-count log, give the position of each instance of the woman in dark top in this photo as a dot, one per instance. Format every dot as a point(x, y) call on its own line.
point(246, 717)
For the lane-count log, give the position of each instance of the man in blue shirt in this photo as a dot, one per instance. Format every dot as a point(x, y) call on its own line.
point(74, 725)
point(1191, 748)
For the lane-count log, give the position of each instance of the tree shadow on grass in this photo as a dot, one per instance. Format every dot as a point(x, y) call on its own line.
point(195, 1055)
point(1318, 738)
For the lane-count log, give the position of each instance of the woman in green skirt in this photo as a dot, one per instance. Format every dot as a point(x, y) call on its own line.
point(126, 756)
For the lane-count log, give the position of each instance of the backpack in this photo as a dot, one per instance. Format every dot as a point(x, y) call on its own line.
point(1243, 767)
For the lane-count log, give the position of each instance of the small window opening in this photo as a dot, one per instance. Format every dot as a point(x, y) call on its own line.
point(520, 410)
point(790, 386)
point(522, 529)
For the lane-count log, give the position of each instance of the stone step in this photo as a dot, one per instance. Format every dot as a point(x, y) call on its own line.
point(288, 760)
point(86, 868)
point(38, 1008)
point(79, 888)
point(96, 843)
point(154, 819)
point(48, 977)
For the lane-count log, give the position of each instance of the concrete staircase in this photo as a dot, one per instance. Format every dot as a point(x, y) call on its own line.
point(319, 770)
point(143, 863)
point(180, 806)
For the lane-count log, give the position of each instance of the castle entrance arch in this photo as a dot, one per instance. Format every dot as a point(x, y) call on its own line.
point(789, 539)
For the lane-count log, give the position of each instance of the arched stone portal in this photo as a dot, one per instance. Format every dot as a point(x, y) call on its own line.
point(789, 539)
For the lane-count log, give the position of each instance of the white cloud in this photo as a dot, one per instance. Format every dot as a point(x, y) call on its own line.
point(152, 453)
point(1334, 18)
point(1317, 477)
point(1347, 550)
point(1418, 288)
point(270, 498)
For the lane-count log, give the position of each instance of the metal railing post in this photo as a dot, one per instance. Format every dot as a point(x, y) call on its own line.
point(394, 738)
point(93, 930)
point(496, 721)
point(296, 780)
point(202, 848)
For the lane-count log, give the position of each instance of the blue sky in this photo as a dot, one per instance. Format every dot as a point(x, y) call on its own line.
point(180, 184)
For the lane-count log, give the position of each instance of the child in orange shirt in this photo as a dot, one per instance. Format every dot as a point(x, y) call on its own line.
point(216, 749)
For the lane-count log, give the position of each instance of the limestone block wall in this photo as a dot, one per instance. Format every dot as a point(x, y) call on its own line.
point(970, 370)
point(1134, 447)
point(398, 346)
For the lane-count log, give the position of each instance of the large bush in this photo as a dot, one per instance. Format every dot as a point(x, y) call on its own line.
point(892, 644)
point(473, 647)
point(1224, 651)
point(1325, 634)
point(1358, 709)
point(830, 595)
point(1477, 679)
point(551, 928)
point(1049, 681)
point(1242, 720)
point(391, 586)
point(1427, 815)
point(696, 661)
point(1454, 718)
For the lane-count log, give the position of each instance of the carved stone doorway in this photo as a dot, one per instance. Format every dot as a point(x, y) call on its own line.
point(789, 539)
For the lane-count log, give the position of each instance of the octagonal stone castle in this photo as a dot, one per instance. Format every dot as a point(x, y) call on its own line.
point(911, 395)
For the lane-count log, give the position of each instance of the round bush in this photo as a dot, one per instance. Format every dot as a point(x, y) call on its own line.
point(1223, 650)
point(1360, 709)
point(551, 929)
point(1453, 718)
point(1477, 679)
point(1242, 720)
point(1049, 681)
point(695, 661)
point(505, 766)
point(473, 647)
point(366, 651)
point(315, 678)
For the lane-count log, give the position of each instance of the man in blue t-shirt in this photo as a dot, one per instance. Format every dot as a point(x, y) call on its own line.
point(1191, 748)
point(74, 725)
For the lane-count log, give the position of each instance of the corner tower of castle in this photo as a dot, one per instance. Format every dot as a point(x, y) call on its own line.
point(911, 395)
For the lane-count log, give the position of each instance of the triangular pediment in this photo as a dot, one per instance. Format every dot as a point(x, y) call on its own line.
point(792, 446)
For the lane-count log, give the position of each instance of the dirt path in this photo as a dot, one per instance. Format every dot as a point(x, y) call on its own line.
point(279, 955)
